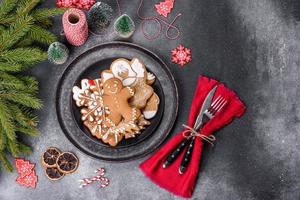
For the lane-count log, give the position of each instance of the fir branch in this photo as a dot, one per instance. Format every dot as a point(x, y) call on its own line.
point(44, 22)
point(6, 122)
point(2, 28)
point(22, 98)
point(13, 147)
point(2, 139)
point(41, 35)
point(26, 55)
point(20, 25)
point(6, 7)
point(16, 31)
point(24, 119)
point(25, 6)
point(24, 149)
point(31, 84)
point(28, 131)
point(8, 85)
point(10, 67)
point(10, 78)
point(46, 13)
point(25, 42)
point(5, 163)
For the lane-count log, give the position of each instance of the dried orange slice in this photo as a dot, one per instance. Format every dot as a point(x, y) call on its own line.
point(67, 162)
point(50, 156)
point(53, 173)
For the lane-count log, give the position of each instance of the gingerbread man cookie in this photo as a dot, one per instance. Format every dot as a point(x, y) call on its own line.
point(132, 74)
point(115, 97)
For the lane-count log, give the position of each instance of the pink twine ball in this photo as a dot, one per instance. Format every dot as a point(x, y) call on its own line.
point(75, 26)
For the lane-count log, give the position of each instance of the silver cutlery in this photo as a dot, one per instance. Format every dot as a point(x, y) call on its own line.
point(181, 146)
point(209, 113)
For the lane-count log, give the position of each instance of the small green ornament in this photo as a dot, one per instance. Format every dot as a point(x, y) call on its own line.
point(58, 53)
point(124, 26)
point(99, 16)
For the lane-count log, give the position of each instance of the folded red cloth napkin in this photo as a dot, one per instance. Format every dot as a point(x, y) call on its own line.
point(169, 178)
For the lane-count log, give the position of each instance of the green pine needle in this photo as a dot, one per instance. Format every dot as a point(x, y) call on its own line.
point(22, 98)
point(3, 139)
point(10, 78)
point(45, 22)
point(46, 13)
point(6, 7)
point(24, 149)
point(5, 163)
point(10, 67)
point(24, 43)
point(26, 6)
point(21, 25)
point(41, 35)
point(11, 36)
point(6, 121)
point(28, 56)
point(13, 147)
point(28, 131)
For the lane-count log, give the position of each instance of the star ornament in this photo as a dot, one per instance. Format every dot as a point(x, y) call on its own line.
point(181, 55)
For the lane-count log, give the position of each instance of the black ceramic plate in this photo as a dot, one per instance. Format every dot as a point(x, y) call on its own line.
point(88, 65)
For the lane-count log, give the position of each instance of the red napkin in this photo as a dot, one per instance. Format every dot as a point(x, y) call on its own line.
point(169, 178)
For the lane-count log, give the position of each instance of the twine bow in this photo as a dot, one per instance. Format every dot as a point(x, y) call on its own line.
point(190, 132)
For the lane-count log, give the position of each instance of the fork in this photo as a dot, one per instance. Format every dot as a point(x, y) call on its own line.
point(210, 113)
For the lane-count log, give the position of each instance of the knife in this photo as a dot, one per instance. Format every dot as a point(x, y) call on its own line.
point(198, 124)
point(172, 157)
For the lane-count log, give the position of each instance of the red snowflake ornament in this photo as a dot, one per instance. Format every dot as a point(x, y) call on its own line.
point(181, 55)
point(24, 167)
point(29, 181)
point(164, 8)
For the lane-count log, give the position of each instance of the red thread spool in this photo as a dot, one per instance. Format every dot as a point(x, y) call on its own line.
point(75, 26)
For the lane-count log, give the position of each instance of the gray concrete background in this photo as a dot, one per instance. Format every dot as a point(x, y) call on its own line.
point(251, 45)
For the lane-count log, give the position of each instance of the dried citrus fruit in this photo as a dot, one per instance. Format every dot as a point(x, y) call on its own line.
point(67, 162)
point(53, 173)
point(50, 156)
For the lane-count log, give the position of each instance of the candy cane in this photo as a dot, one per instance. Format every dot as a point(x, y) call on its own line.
point(100, 177)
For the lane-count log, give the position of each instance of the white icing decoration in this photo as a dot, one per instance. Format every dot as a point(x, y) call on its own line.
point(78, 91)
point(106, 76)
point(85, 84)
point(149, 114)
point(138, 67)
point(150, 76)
point(122, 66)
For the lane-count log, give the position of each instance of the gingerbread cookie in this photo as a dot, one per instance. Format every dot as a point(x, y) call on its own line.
point(115, 97)
point(133, 74)
point(112, 106)
point(151, 107)
point(80, 95)
point(113, 136)
point(150, 78)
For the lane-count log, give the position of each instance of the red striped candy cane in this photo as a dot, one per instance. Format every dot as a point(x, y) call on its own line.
point(100, 177)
